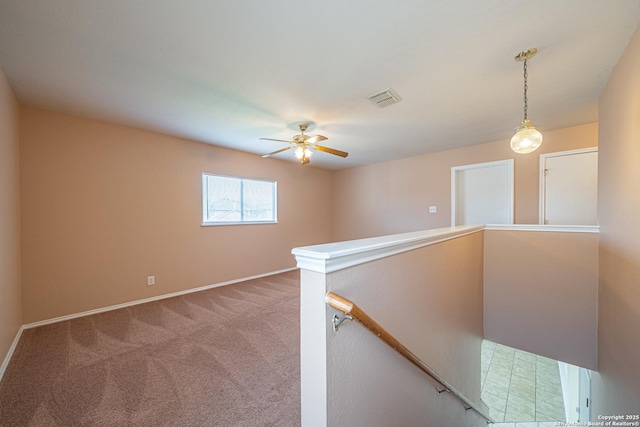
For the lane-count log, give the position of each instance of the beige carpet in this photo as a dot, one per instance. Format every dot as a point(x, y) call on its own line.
point(228, 356)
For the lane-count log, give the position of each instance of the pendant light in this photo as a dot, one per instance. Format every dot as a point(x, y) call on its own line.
point(527, 138)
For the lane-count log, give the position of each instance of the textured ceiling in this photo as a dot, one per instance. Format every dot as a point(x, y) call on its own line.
point(229, 72)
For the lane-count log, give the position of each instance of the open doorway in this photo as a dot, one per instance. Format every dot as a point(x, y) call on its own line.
point(482, 193)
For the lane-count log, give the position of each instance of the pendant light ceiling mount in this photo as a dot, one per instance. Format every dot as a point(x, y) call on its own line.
point(527, 139)
point(526, 54)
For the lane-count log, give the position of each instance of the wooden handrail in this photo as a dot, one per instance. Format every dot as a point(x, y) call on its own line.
point(351, 309)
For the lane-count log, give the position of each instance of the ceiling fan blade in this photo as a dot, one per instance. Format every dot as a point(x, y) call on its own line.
point(279, 140)
point(278, 151)
point(314, 139)
point(330, 150)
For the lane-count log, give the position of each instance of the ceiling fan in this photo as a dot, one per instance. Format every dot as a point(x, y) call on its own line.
point(303, 145)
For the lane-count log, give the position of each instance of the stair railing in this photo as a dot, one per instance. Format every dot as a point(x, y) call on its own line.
point(353, 312)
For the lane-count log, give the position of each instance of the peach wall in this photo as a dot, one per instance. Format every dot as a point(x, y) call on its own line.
point(394, 197)
point(541, 293)
point(104, 206)
point(616, 387)
point(10, 291)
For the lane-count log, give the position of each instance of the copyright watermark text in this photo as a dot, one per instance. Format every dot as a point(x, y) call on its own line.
point(605, 421)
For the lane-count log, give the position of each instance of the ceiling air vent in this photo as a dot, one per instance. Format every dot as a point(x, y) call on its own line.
point(386, 98)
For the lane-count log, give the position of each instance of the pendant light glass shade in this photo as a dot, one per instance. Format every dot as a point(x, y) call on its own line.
point(527, 139)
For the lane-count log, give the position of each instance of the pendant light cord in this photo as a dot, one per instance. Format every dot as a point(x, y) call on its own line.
point(525, 89)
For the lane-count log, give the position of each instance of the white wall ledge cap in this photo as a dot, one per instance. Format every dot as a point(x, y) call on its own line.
point(540, 227)
point(329, 257)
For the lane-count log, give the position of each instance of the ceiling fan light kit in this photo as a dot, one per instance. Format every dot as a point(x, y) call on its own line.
point(527, 138)
point(303, 144)
point(302, 153)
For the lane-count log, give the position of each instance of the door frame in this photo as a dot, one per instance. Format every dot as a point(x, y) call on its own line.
point(499, 163)
point(541, 177)
point(584, 384)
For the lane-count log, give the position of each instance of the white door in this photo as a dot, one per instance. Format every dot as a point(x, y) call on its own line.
point(569, 187)
point(482, 193)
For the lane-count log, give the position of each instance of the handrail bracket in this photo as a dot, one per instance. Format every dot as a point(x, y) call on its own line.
point(443, 390)
point(337, 321)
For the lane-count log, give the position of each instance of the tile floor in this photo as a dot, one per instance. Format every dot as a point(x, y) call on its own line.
point(521, 387)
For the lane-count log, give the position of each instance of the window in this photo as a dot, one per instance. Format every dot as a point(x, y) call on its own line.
point(229, 200)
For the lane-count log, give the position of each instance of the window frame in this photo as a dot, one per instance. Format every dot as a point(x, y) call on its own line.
point(205, 195)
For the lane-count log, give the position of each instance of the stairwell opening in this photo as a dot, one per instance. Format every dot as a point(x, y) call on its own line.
point(528, 389)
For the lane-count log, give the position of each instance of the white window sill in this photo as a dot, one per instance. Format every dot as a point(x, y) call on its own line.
point(216, 224)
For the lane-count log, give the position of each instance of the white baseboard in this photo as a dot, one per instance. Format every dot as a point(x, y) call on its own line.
point(7, 359)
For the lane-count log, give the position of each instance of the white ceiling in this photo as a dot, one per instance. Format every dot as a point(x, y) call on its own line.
point(229, 72)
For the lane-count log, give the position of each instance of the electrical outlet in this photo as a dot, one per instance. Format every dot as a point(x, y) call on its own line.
point(433, 209)
point(151, 280)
